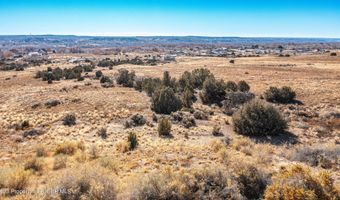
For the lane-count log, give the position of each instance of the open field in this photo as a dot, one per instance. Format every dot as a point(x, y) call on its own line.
point(314, 124)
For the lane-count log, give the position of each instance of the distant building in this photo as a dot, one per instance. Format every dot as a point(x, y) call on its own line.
point(169, 58)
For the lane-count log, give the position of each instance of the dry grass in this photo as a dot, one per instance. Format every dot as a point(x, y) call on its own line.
point(298, 182)
point(14, 178)
point(69, 148)
point(34, 164)
point(84, 183)
point(59, 162)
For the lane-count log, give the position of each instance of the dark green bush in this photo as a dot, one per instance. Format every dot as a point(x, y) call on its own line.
point(81, 78)
point(165, 101)
point(233, 100)
point(138, 84)
point(99, 74)
point(187, 98)
point(198, 76)
point(231, 86)
point(213, 91)
point(280, 95)
point(88, 68)
point(258, 118)
point(252, 182)
point(107, 62)
point(125, 78)
point(69, 119)
point(105, 79)
point(243, 86)
point(185, 81)
point(58, 73)
point(164, 127)
point(132, 141)
point(150, 85)
point(166, 79)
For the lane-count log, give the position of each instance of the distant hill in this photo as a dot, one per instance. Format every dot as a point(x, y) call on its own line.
point(106, 41)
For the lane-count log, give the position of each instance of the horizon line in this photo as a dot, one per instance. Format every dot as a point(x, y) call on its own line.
point(206, 36)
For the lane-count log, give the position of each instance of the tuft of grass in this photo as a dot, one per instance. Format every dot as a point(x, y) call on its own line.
point(94, 152)
point(41, 151)
point(123, 146)
point(132, 140)
point(68, 148)
point(109, 163)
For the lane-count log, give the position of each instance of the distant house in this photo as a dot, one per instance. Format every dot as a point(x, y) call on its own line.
point(169, 58)
point(34, 54)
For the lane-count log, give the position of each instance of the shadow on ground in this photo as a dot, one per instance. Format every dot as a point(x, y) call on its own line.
point(281, 139)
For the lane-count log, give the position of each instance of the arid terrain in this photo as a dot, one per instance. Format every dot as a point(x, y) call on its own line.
point(312, 138)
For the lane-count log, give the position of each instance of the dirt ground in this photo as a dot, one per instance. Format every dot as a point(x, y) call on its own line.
point(315, 78)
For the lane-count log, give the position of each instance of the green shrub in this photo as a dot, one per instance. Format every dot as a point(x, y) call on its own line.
point(107, 62)
point(164, 127)
point(69, 119)
point(88, 68)
point(233, 100)
point(132, 141)
point(150, 85)
point(166, 79)
point(125, 78)
point(165, 101)
point(185, 81)
point(243, 86)
point(258, 118)
point(231, 86)
point(138, 84)
point(187, 97)
point(198, 76)
point(252, 182)
point(99, 74)
point(102, 133)
point(105, 79)
point(213, 91)
point(277, 95)
point(81, 78)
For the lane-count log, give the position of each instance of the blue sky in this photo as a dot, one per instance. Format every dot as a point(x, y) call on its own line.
point(249, 18)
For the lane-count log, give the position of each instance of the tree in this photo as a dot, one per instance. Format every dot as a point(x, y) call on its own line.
point(213, 91)
point(165, 101)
